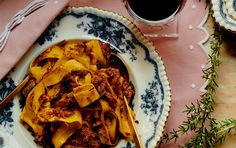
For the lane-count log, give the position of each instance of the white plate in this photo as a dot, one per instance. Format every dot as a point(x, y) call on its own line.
point(152, 92)
point(224, 12)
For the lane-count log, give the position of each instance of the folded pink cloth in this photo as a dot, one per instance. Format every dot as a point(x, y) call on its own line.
point(24, 35)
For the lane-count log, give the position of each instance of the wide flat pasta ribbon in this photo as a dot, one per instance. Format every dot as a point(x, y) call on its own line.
point(108, 133)
point(122, 115)
point(59, 73)
point(96, 51)
point(63, 133)
point(29, 114)
point(85, 94)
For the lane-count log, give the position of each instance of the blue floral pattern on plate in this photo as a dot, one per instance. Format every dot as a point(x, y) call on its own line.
point(106, 29)
point(6, 86)
point(146, 69)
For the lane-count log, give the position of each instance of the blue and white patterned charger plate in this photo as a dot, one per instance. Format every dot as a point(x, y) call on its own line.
point(224, 12)
point(151, 103)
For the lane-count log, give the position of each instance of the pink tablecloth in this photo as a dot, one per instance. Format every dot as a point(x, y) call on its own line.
point(184, 58)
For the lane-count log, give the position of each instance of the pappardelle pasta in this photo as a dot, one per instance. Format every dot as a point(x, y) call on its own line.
point(75, 97)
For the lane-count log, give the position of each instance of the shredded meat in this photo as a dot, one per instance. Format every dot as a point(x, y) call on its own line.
point(114, 75)
point(99, 82)
point(44, 98)
point(106, 51)
point(68, 101)
point(81, 73)
point(85, 137)
point(110, 99)
point(127, 90)
point(80, 49)
point(60, 112)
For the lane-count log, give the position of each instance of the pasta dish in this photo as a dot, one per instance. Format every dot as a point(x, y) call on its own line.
point(75, 97)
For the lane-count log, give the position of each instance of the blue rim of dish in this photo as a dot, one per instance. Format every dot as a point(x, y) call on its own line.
point(223, 11)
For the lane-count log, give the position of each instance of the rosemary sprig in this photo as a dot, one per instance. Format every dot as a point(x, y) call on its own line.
point(208, 132)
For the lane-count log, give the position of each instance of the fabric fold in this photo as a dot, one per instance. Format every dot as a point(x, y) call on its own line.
point(23, 36)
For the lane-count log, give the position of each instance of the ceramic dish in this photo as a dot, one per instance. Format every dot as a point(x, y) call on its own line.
point(224, 12)
point(151, 103)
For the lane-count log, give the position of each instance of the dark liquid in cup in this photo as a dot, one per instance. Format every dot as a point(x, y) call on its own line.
point(154, 10)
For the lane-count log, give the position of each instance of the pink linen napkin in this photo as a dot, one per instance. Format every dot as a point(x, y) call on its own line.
point(24, 35)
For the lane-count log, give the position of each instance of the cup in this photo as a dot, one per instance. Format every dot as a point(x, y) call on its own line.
point(156, 18)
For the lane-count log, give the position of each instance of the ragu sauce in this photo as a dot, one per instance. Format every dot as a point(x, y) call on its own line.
point(154, 10)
